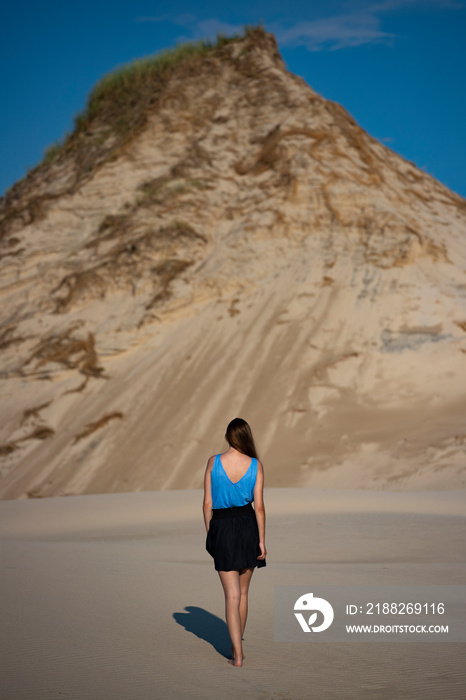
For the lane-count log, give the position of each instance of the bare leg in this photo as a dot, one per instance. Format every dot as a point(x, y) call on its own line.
point(245, 576)
point(232, 590)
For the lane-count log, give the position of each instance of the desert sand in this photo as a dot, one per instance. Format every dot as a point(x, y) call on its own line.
point(114, 596)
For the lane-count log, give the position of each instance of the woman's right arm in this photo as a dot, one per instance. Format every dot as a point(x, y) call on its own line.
point(207, 504)
point(260, 509)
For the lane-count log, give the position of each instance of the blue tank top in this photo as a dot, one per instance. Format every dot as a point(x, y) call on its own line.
point(226, 494)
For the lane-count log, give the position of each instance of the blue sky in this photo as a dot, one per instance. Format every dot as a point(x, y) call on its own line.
point(396, 65)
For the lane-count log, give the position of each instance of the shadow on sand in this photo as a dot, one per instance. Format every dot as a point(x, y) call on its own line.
point(206, 626)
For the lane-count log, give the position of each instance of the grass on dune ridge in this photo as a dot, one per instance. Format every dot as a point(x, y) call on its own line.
point(120, 100)
point(116, 110)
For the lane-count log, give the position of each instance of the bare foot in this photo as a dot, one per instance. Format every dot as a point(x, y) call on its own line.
point(233, 654)
point(236, 662)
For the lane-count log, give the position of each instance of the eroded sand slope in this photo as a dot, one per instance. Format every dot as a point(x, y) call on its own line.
point(253, 252)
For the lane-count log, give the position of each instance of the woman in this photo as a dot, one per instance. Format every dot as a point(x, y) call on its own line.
point(235, 530)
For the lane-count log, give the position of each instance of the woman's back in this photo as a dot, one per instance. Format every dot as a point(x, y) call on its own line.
point(235, 464)
point(233, 479)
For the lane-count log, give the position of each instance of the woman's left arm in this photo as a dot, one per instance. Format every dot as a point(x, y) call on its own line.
point(207, 504)
point(259, 508)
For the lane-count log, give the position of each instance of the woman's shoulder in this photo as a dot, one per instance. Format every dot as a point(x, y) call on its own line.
point(210, 462)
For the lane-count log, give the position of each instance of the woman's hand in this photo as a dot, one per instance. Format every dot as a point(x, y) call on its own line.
point(263, 553)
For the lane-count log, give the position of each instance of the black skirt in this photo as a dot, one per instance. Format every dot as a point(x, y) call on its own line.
point(233, 539)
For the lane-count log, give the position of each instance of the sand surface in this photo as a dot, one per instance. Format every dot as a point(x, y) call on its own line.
point(114, 596)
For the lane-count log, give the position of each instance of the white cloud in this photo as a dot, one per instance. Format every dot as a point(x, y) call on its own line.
point(359, 24)
point(334, 33)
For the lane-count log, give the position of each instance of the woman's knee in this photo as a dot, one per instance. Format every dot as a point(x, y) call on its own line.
point(233, 597)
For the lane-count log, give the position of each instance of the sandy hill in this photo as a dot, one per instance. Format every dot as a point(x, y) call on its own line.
point(224, 241)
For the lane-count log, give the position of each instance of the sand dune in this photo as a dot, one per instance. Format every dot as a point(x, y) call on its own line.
point(114, 596)
point(249, 251)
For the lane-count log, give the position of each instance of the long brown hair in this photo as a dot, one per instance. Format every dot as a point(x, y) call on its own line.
point(239, 436)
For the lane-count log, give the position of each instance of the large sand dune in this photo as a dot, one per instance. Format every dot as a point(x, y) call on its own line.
point(249, 251)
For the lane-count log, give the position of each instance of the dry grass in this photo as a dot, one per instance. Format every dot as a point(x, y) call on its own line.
point(19, 210)
point(457, 200)
point(121, 101)
point(117, 110)
point(35, 493)
point(388, 242)
point(154, 191)
point(7, 448)
point(41, 432)
point(33, 412)
point(92, 427)
point(69, 351)
point(53, 151)
point(113, 226)
point(166, 272)
point(269, 154)
point(139, 84)
point(197, 157)
point(419, 177)
point(232, 310)
point(8, 338)
point(79, 388)
point(11, 253)
point(163, 191)
point(266, 156)
point(437, 251)
point(178, 229)
point(151, 255)
point(426, 198)
point(356, 138)
point(320, 369)
point(331, 208)
point(79, 284)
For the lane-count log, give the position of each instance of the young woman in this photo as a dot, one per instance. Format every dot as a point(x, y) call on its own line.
point(235, 530)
